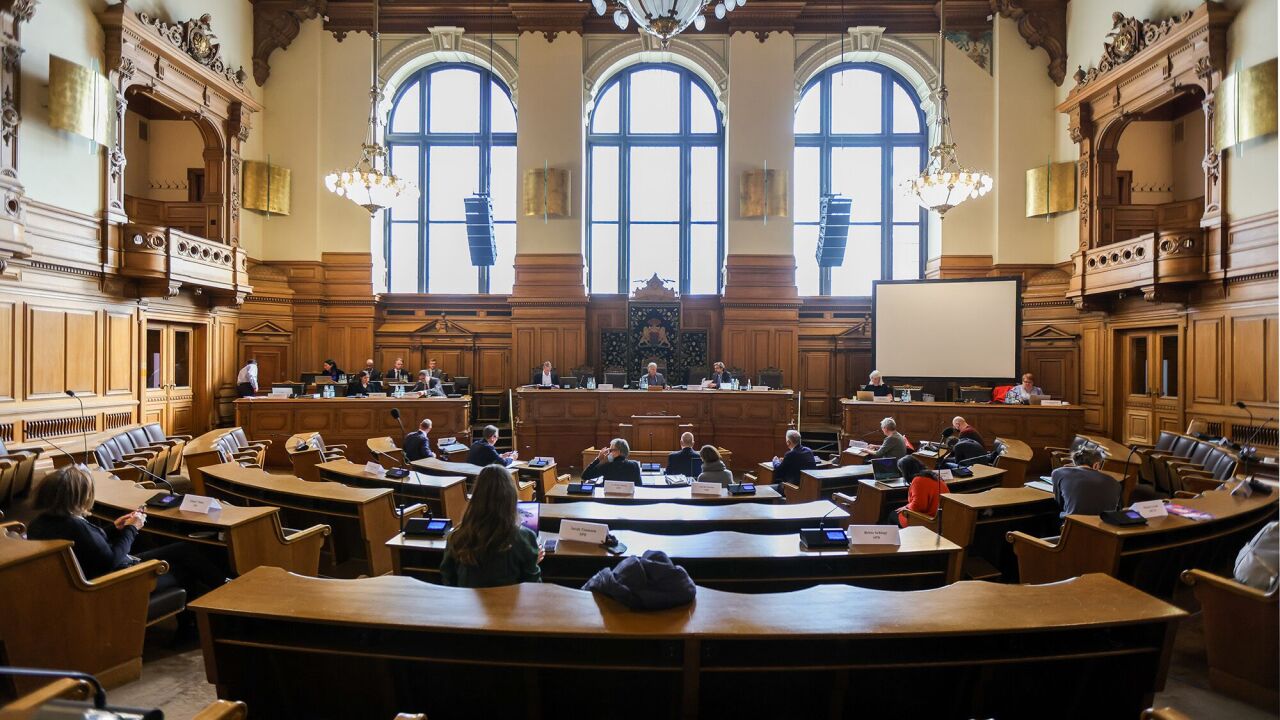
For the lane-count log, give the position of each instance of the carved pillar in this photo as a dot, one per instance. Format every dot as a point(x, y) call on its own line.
point(13, 241)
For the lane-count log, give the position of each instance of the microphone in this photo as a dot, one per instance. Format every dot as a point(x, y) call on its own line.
point(1125, 479)
point(822, 522)
point(83, 427)
point(148, 473)
point(400, 472)
point(72, 458)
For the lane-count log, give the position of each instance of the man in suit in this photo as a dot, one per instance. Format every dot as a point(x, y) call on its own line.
point(654, 377)
point(547, 377)
point(612, 464)
point(428, 386)
point(684, 461)
point(787, 468)
point(434, 371)
point(359, 385)
point(720, 378)
point(894, 445)
point(374, 375)
point(417, 444)
point(397, 373)
point(483, 453)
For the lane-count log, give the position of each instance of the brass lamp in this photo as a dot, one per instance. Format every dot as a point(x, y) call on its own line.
point(81, 101)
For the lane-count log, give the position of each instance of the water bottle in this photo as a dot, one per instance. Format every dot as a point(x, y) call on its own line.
point(644, 382)
point(735, 383)
point(748, 383)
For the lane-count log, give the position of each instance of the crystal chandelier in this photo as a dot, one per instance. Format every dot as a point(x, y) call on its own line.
point(664, 19)
point(370, 184)
point(945, 183)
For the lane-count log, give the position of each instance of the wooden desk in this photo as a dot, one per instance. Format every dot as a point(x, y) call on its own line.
point(1149, 556)
point(201, 451)
point(362, 519)
point(349, 421)
point(978, 522)
point(678, 519)
point(1016, 461)
point(764, 470)
point(295, 647)
point(733, 561)
point(652, 456)
point(649, 494)
point(525, 487)
point(822, 483)
point(444, 495)
point(252, 536)
point(751, 425)
point(877, 503)
point(1036, 425)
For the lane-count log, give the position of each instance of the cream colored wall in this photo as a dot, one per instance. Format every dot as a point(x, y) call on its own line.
point(1188, 153)
point(139, 154)
point(1145, 150)
point(970, 229)
point(174, 147)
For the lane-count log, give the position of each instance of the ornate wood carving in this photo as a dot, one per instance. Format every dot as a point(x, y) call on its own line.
point(549, 18)
point(196, 38)
point(1128, 37)
point(275, 25)
point(760, 19)
point(13, 241)
point(1043, 24)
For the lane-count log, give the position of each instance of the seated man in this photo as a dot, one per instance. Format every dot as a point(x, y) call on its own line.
point(877, 385)
point(374, 375)
point(483, 452)
point(653, 377)
point(548, 376)
point(965, 431)
point(1021, 394)
point(434, 371)
point(719, 377)
point(417, 444)
point(397, 373)
point(683, 461)
point(359, 386)
point(1082, 488)
point(798, 457)
point(894, 445)
point(612, 464)
point(428, 386)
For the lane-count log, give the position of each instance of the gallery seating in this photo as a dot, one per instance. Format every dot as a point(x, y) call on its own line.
point(307, 450)
point(1240, 629)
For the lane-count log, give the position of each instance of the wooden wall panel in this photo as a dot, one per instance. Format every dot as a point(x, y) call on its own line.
point(82, 351)
point(121, 349)
point(10, 354)
point(1249, 378)
point(816, 385)
point(1206, 352)
point(46, 357)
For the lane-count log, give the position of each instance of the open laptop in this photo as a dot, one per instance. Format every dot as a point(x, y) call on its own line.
point(885, 470)
point(1037, 399)
point(865, 396)
point(527, 512)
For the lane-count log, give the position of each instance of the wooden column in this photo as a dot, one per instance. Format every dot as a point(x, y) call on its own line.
point(13, 241)
point(548, 313)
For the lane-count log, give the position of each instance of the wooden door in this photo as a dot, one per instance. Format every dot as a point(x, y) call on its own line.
point(170, 370)
point(273, 363)
point(1148, 389)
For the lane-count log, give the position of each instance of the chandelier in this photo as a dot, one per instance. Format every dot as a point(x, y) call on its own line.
point(369, 183)
point(945, 183)
point(664, 19)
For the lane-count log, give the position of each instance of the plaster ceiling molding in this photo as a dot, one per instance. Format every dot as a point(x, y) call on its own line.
point(900, 53)
point(444, 44)
point(708, 60)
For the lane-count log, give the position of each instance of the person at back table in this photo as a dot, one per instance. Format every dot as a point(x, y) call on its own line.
point(417, 444)
point(923, 493)
point(1021, 394)
point(681, 462)
point(894, 445)
point(612, 464)
point(332, 370)
point(359, 386)
point(719, 376)
point(373, 372)
point(483, 452)
point(546, 376)
point(798, 457)
point(1082, 488)
point(247, 379)
point(877, 385)
point(434, 371)
point(713, 469)
point(428, 386)
point(397, 373)
point(653, 377)
point(490, 547)
point(962, 430)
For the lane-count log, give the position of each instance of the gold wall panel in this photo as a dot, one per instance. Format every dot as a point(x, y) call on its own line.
point(1246, 105)
point(1051, 189)
point(763, 193)
point(81, 101)
point(267, 187)
point(547, 192)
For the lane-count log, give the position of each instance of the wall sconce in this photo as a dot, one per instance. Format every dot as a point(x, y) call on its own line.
point(1245, 105)
point(763, 194)
point(547, 191)
point(1051, 189)
point(81, 101)
point(266, 187)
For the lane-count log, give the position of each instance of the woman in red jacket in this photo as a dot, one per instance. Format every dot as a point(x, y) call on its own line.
point(922, 495)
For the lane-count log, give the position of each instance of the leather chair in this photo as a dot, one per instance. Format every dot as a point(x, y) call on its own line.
point(695, 374)
point(230, 451)
point(1146, 456)
point(112, 455)
point(306, 457)
point(135, 440)
point(244, 443)
point(1218, 466)
point(175, 443)
point(461, 385)
point(24, 460)
point(770, 377)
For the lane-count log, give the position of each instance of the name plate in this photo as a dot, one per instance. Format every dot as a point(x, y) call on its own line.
point(1053, 403)
point(281, 392)
point(374, 468)
point(760, 387)
point(604, 386)
point(1150, 509)
point(200, 504)
point(944, 475)
point(874, 535)
point(619, 487)
point(705, 488)
point(587, 532)
point(882, 398)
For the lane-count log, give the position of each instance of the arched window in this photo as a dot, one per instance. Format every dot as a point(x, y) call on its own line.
point(655, 154)
point(859, 133)
point(452, 130)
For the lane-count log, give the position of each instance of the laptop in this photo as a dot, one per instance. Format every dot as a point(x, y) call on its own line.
point(865, 396)
point(527, 512)
point(1036, 399)
point(885, 470)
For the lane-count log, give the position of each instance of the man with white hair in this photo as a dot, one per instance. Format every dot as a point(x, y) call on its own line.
point(894, 445)
point(684, 461)
point(612, 464)
point(654, 377)
point(877, 385)
point(798, 457)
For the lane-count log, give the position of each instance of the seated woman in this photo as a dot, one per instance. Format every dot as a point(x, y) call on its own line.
point(489, 548)
point(922, 494)
point(877, 385)
point(713, 469)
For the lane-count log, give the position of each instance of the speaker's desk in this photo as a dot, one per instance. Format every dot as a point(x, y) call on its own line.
point(646, 494)
point(1039, 426)
point(560, 423)
point(678, 519)
point(349, 421)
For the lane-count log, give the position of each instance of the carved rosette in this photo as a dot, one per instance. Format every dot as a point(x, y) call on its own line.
point(1128, 37)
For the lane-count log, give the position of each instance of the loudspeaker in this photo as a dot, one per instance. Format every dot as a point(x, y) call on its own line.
point(480, 241)
point(833, 229)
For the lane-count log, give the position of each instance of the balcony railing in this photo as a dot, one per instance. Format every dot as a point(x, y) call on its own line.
point(164, 260)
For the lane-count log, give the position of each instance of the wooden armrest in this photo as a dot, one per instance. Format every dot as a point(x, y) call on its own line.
point(167, 443)
point(1016, 537)
point(321, 530)
point(1185, 494)
point(146, 568)
point(1054, 448)
point(1200, 484)
point(413, 510)
point(341, 446)
point(61, 689)
point(146, 484)
point(12, 526)
point(17, 457)
point(565, 478)
point(183, 438)
point(223, 710)
point(843, 501)
point(1226, 584)
point(139, 455)
point(243, 453)
point(125, 472)
point(33, 449)
point(920, 519)
point(6, 463)
point(262, 443)
point(751, 477)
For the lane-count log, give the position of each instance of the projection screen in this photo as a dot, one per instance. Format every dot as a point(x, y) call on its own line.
point(947, 329)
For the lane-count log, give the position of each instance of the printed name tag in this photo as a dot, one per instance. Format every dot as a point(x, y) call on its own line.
point(374, 468)
point(1150, 509)
point(705, 488)
point(882, 398)
point(874, 535)
point(605, 386)
point(281, 392)
point(944, 475)
point(619, 487)
point(200, 504)
point(579, 531)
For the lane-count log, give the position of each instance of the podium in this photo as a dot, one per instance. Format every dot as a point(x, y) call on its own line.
point(654, 432)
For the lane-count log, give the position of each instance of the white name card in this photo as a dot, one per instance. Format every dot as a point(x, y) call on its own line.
point(874, 535)
point(604, 386)
point(857, 444)
point(281, 392)
point(944, 475)
point(200, 504)
point(587, 532)
point(760, 387)
point(882, 398)
point(1053, 403)
point(705, 488)
point(1150, 509)
point(374, 468)
point(619, 487)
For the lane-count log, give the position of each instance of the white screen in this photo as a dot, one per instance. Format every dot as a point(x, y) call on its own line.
point(938, 329)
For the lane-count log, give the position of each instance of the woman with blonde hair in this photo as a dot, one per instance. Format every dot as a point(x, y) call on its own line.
point(490, 548)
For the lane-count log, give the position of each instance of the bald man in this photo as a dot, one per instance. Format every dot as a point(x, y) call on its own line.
point(686, 460)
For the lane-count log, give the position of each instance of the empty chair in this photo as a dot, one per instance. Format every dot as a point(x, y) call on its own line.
point(1218, 466)
point(308, 451)
point(24, 460)
point(770, 377)
point(461, 385)
point(175, 443)
point(615, 377)
point(1240, 625)
point(244, 443)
